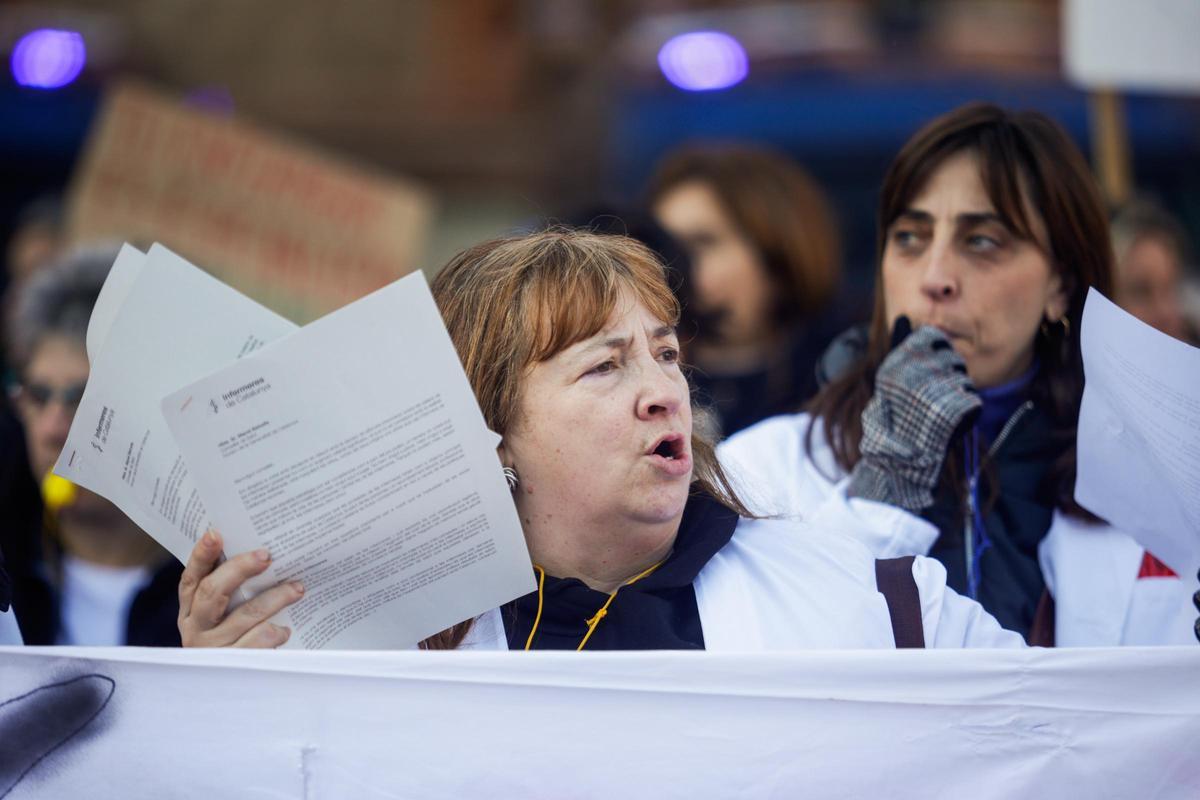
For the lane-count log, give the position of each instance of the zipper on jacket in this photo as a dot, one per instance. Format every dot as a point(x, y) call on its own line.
point(1006, 431)
point(969, 539)
point(972, 485)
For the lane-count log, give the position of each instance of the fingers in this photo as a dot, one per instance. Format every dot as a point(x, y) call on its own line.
point(212, 596)
point(924, 356)
point(205, 592)
point(264, 634)
point(947, 360)
point(925, 338)
point(920, 348)
point(257, 610)
point(201, 562)
point(944, 354)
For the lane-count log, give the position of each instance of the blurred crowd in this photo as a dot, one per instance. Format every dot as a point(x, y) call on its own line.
point(770, 331)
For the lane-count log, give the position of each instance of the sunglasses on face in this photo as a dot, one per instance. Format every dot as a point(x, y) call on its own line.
point(40, 395)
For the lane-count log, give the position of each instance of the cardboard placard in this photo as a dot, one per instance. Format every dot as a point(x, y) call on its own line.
point(1144, 46)
point(293, 228)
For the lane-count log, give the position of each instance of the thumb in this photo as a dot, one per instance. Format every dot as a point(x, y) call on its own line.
point(900, 331)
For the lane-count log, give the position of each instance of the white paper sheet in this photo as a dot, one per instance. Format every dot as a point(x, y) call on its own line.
point(980, 724)
point(355, 452)
point(159, 324)
point(1139, 433)
point(121, 278)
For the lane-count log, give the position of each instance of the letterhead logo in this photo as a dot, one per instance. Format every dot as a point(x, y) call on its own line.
point(213, 408)
point(103, 428)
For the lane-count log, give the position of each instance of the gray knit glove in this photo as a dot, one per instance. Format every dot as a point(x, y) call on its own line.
point(922, 397)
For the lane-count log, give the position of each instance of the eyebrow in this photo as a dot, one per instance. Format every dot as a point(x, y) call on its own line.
point(968, 218)
point(622, 342)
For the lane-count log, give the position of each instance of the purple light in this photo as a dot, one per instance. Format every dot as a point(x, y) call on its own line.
point(703, 61)
point(48, 58)
point(214, 99)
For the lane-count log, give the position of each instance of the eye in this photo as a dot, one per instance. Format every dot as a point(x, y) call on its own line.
point(670, 355)
point(603, 368)
point(905, 238)
point(981, 243)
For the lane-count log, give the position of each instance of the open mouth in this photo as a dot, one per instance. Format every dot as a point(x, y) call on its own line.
point(669, 447)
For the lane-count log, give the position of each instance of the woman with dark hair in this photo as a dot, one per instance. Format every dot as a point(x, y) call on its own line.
point(764, 265)
point(990, 233)
point(636, 538)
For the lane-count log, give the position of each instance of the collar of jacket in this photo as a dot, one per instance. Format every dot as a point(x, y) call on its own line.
point(657, 612)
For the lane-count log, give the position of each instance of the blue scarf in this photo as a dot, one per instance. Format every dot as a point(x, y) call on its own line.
point(1000, 402)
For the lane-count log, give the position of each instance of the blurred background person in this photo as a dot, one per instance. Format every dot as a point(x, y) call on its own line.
point(36, 239)
point(88, 575)
point(1152, 256)
point(764, 271)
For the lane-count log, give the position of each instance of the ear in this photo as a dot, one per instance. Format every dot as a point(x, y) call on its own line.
point(1058, 297)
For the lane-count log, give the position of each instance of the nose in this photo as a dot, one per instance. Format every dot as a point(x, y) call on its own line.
point(46, 434)
point(54, 423)
point(706, 280)
point(661, 395)
point(940, 280)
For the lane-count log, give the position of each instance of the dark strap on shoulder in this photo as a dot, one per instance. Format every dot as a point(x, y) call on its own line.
point(894, 579)
point(1041, 631)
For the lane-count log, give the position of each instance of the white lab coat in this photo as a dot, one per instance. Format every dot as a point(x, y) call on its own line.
point(787, 585)
point(1091, 570)
point(1094, 570)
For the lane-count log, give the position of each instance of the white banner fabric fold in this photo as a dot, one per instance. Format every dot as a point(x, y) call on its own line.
point(139, 723)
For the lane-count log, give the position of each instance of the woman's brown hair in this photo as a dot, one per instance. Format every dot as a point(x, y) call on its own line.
point(511, 303)
point(1027, 164)
point(778, 207)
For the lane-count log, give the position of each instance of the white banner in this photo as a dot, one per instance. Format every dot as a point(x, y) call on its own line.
point(133, 723)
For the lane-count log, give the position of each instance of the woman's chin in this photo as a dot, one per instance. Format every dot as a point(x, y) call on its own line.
point(663, 505)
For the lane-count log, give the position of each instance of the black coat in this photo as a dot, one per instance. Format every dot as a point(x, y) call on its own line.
point(152, 615)
point(35, 595)
point(1017, 517)
point(658, 612)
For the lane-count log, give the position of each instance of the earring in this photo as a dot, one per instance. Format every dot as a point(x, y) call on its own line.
point(510, 475)
point(1062, 321)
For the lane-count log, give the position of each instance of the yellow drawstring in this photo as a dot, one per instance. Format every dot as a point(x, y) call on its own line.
point(538, 618)
point(600, 614)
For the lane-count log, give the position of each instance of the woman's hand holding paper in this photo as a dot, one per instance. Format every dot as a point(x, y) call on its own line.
point(206, 588)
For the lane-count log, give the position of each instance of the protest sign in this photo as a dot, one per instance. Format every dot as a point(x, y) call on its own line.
point(296, 230)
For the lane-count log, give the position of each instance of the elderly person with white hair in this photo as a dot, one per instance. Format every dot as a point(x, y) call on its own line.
point(90, 576)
